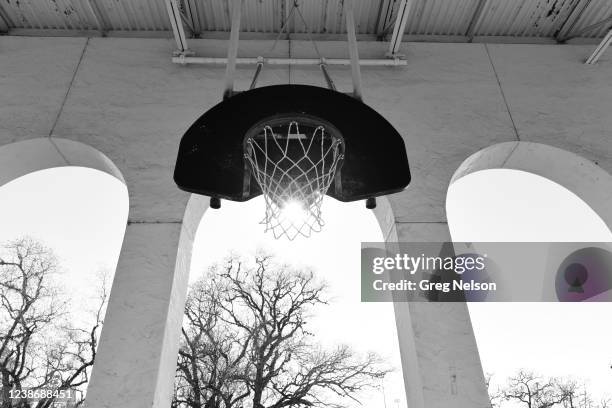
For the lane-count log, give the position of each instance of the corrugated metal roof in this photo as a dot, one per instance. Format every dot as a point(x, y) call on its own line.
point(596, 11)
point(440, 17)
point(525, 18)
point(129, 15)
point(511, 18)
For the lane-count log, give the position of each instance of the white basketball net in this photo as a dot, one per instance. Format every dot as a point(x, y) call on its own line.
point(294, 172)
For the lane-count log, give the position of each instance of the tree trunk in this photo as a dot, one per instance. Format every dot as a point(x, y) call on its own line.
point(6, 390)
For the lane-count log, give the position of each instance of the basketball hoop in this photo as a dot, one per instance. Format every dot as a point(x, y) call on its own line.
point(294, 161)
point(294, 144)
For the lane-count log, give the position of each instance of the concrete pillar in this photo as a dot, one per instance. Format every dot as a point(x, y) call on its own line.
point(440, 359)
point(138, 351)
point(138, 348)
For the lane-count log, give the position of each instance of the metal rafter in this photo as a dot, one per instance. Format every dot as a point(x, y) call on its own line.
point(565, 31)
point(381, 18)
point(192, 15)
point(103, 27)
point(601, 48)
point(5, 23)
point(589, 28)
point(174, 12)
point(403, 13)
point(471, 30)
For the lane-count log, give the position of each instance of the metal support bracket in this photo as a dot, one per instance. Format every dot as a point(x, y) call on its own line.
point(183, 55)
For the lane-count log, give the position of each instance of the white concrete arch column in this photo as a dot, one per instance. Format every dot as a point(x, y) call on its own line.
point(32, 155)
point(138, 350)
point(138, 346)
point(440, 357)
point(440, 360)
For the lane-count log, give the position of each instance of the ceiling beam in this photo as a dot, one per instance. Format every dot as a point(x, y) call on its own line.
point(471, 30)
point(601, 48)
point(174, 12)
point(403, 13)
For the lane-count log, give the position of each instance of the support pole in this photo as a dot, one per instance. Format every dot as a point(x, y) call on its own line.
point(353, 50)
point(177, 26)
point(232, 49)
point(601, 48)
point(403, 13)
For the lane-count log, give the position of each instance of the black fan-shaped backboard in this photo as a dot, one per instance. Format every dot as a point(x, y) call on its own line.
point(211, 155)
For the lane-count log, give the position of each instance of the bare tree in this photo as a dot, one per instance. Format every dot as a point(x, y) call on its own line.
point(533, 391)
point(495, 396)
point(246, 343)
point(39, 347)
point(212, 360)
point(577, 396)
point(574, 397)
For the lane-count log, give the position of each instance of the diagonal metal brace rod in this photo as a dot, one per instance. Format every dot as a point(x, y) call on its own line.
point(601, 49)
point(403, 12)
point(353, 50)
point(328, 79)
point(174, 12)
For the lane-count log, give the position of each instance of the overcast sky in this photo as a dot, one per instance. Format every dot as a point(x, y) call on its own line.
point(81, 214)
